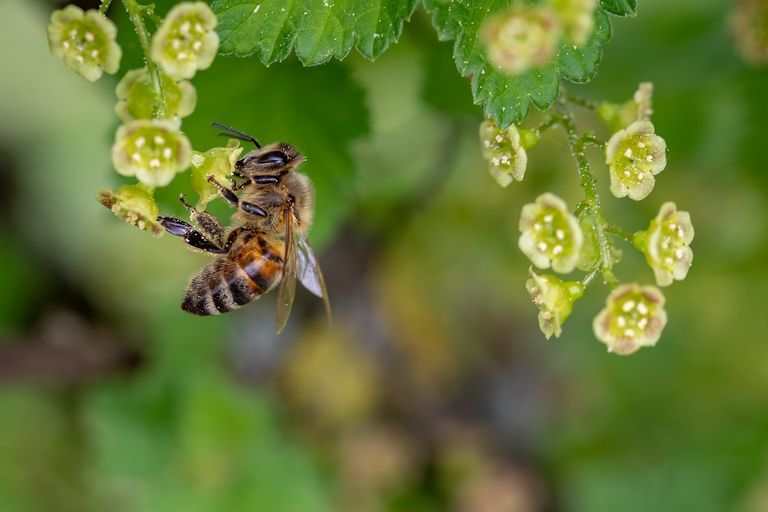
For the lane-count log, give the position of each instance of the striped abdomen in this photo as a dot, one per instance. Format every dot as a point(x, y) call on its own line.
point(235, 279)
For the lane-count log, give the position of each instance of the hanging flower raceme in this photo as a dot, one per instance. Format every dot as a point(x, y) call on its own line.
point(633, 318)
point(551, 236)
point(577, 18)
point(521, 38)
point(554, 298)
point(135, 205)
point(85, 40)
point(666, 244)
point(634, 156)
point(153, 151)
point(504, 152)
point(216, 162)
point(137, 98)
point(186, 41)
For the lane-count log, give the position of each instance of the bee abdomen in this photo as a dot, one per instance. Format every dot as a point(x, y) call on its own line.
point(226, 284)
point(220, 287)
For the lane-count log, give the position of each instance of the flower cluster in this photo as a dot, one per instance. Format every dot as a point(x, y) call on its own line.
point(553, 237)
point(524, 37)
point(85, 40)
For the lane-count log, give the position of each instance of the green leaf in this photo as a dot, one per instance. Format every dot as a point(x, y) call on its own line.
point(620, 7)
point(316, 29)
point(505, 98)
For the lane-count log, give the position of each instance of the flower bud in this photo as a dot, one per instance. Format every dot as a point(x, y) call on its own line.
point(554, 298)
point(135, 205)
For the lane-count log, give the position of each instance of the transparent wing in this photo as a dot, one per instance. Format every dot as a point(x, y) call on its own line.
point(309, 272)
point(287, 290)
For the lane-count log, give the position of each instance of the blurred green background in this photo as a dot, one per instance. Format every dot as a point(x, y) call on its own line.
point(434, 389)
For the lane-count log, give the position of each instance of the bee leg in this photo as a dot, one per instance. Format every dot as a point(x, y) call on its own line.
point(192, 237)
point(233, 200)
point(205, 222)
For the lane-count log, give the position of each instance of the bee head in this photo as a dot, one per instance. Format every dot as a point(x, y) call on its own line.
point(273, 158)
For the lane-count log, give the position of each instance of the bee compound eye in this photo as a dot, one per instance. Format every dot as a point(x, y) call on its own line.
point(273, 157)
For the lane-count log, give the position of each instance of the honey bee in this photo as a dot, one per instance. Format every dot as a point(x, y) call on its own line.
point(266, 245)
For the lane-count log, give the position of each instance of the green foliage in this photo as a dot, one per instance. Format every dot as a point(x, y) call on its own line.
point(317, 30)
point(620, 7)
point(506, 98)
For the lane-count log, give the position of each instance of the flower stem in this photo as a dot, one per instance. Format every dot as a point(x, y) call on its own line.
point(588, 182)
point(619, 233)
point(104, 7)
point(578, 100)
point(135, 14)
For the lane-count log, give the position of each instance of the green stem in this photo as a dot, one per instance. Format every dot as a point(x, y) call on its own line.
point(578, 100)
point(589, 183)
point(589, 277)
point(135, 14)
point(619, 233)
point(104, 7)
point(548, 123)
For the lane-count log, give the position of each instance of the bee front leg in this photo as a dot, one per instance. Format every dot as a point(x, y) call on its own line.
point(192, 237)
point(231, 198)
point(206, 223)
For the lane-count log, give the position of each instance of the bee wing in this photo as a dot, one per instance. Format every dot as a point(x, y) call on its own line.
point(309, 272)
point(287, 290)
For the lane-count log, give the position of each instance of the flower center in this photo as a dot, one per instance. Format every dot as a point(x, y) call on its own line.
point(635, 159)
point(633, 315)
point(187, 38)
point(82, 41)
point(550, 233)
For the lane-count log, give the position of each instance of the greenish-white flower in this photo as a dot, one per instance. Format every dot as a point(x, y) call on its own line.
point(135, 205)
point(666, 244)
point(550, 235)
point(137, 98)
point(554, 298)
point(521, 38)
point(153, 151)
point(502, 149)
point(186, 41)
point(85, 40)
point(216, 162)
point(633, 318)
point(577, 18)
point(634, 156)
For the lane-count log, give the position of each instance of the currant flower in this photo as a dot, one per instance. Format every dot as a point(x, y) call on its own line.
point(551, 236)
point(634, 156)
point(135, 205)
point(216, 162)
point(666, 244)
point(521, 38)
point(554, 298)
point(85, 40)
point(577, 18)
point(186, 41)
point(137, 99)
point(748, 23)
point(633, 318)
point(504, 152)
point(153, 151)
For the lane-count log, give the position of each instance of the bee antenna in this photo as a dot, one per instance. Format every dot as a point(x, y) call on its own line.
point(237, 134)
